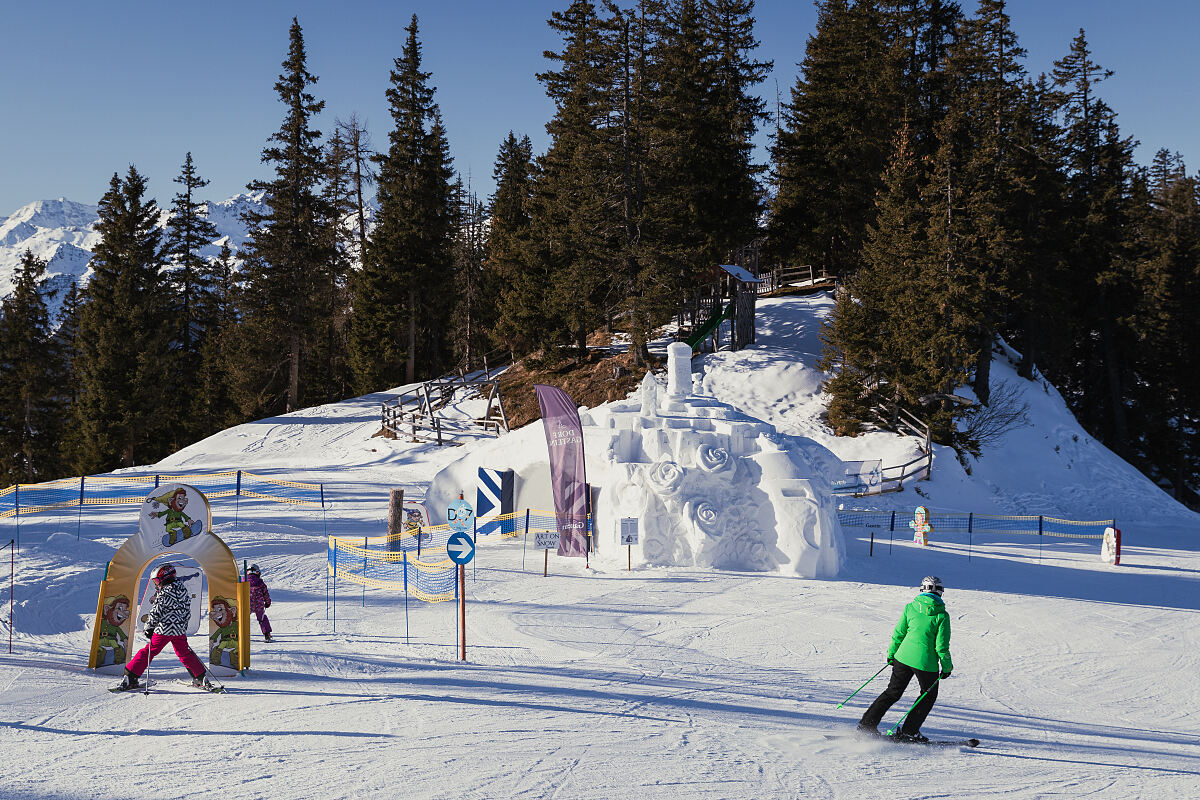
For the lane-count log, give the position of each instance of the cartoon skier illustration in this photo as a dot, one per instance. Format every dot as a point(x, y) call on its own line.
point(179, 525)
point(113, 638)
point(224, 639)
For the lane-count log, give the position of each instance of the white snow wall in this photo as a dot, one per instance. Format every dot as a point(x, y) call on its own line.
point(709, 485)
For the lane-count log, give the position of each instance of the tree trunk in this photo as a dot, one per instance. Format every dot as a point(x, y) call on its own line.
point(293, 390)
point(983, 367)
point(411, 366)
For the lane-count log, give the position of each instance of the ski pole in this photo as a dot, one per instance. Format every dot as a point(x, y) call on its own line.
point(914, 705)
point(859, 689)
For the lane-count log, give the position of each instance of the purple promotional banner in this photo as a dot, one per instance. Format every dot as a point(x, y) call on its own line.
point(564, 440)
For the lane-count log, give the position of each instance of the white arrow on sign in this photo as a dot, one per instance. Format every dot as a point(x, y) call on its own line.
point(460, 549)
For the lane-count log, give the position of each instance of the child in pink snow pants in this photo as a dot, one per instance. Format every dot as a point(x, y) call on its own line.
point(168, 622)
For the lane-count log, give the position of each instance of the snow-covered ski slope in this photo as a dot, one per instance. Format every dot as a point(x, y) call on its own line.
point(1079, 678)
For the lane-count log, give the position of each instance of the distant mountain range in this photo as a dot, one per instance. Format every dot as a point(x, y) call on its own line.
point(62, 233)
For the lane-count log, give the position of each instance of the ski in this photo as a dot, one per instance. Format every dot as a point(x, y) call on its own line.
point(884, 737)
point(939, 742)
point(141, 687)
point(216, 687)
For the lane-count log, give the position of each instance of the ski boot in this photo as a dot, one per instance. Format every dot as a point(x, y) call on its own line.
point(912, 738)
point(128, 683)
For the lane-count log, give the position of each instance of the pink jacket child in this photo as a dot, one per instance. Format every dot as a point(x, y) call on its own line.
point(260, 600)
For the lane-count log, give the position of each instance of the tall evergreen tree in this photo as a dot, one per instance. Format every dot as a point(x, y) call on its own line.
point(188, 229)
point(31, 380)
point(125, 330)
point(519, 290)
point(576, 208)
point(287, 258)
point(1092, 370)
point(360, 158)
point(835, 139)
point(403, 293)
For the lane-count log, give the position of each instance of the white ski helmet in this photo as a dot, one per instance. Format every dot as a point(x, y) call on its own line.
point(932, 583)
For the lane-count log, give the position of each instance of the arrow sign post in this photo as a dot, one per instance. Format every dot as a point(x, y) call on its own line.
point(461, 549)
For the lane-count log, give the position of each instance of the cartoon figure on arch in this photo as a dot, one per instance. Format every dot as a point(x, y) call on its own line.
point(178, 525)
point(224, 640)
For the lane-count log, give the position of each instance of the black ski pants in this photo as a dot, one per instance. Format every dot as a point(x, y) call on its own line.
point(901, 676)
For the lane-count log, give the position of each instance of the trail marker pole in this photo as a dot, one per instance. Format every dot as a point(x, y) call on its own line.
point(12, 571)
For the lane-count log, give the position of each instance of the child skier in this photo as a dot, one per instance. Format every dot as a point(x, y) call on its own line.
point(167, 622)
point(920, 641)
point(260, 600)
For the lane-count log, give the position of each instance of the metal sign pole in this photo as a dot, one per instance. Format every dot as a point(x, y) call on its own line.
point(462, 612)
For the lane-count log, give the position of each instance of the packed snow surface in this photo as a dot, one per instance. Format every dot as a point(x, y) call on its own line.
point(658, 682)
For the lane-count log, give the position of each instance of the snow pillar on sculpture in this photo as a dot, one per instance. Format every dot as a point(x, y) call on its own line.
point(173, 519)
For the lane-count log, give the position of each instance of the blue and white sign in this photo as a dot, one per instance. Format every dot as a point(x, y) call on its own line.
point(460, 548)
point(459, 515)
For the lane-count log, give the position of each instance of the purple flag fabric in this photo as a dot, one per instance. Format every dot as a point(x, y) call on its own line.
point(564, 440)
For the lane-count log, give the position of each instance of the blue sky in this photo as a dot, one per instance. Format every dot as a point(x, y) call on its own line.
point(88, 88)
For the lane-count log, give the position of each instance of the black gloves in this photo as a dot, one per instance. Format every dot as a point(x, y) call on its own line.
point(945, 674)
point(891, 660)
point(149, 632)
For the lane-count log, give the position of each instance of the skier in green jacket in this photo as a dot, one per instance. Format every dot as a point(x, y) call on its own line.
point(920, 641)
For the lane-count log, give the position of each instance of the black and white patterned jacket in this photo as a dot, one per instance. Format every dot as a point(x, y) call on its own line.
point(171, 614)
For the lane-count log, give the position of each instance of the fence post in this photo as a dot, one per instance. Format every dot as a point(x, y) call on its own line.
point(970, 533)
point(17, 512)
point(1039, 538)
point(891, 530)
point(525, 540)
point(871, 552)
point(364, 572)
point(79, 519)
point(404, 556)
point(334, 604)
point(237, 500)
point(156, 479)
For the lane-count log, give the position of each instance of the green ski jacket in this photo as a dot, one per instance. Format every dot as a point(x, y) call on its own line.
point(922, 636)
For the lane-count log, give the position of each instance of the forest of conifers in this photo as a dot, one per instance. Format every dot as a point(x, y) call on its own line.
point(958, 197)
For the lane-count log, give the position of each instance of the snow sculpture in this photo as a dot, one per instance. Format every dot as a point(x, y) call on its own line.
point(709, 485)
point(713, 487)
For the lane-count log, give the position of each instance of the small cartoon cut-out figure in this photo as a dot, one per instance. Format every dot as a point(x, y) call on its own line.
point(224, 639)
point(920, 525)
point(179, 525)
point(113, 639)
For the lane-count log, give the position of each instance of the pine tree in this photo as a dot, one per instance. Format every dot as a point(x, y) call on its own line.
point(362, 174)
point(520, 291)
point(287, 258)
point(123, 363)
point(1093, 373)
point(31, 378)
point(404, 292)
point(215, 405)
point(188, 229)
point(576, 208)
point(835, 139)
point(1165, 397)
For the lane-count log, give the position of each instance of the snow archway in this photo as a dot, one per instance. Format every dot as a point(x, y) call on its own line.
point(174, 519)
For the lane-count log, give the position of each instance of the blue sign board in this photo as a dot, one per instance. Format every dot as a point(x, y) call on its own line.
point(460, 548)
